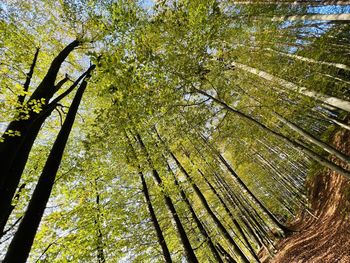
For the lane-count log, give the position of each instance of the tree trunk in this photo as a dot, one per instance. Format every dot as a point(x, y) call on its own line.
point(293, 2)
point(161, 239)
point(29, 77)
point(333, 17)
point(297, 145)
point(333, 101)
point(234, 221)
point(197, 221)
point(99, 236)
point(313, 139)
point(205, 204)
point(310, 60)
point(189, 253)
point(10, 178)
point(159, 232)
point(22, 241)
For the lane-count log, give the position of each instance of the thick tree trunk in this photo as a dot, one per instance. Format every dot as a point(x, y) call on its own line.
point(10, 178)
point(22, 241)
point(10, 147)
point(11, 173)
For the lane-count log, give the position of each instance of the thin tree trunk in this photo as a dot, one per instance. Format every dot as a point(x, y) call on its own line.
point(29, 77)
point(22, 241)
point(225, 254)
point(297, 145)
point(333, 17)
point(310, 60)
point(333, 101)
point(234, 221)
point(293, 2)
point(156, 225)
point(100, 252)
point(244, 186)
point(312, 138)
point(209, 210)
point(16, 198)
point(189, 252)
point(197, 220)
point(161, 239)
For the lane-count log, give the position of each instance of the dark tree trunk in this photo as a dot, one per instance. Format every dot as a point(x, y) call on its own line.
point(210, 211)
point(315, 156)
point(100, 253)
point(225, 254)
point(234, 221)
point(189, 253)
point(29, 77)
point(161, 239)
point(21, 243)
point(159, 232)
point(197, 221)
point(10, 178)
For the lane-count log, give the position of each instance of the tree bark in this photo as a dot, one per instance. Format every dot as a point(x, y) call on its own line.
point(310, 60)
point(161, 239)
point(10, 178)
point(333, 17)
point(22, 241)
point(29, 77)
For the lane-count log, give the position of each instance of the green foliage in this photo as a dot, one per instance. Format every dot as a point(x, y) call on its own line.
point(150, 67)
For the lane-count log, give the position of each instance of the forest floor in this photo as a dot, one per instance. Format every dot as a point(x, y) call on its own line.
point(326, 238)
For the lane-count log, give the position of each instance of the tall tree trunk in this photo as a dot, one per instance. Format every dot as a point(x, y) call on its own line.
point(199, 224)
point(310, 153)
point(11, 173)
point(161, 239)
point(312, 139)
point(189, 252)
point(293, 2)
point(310, 60)
point(156, 225)
point(244, 186)
point(22, 241)
point(333, 17)
point(225, 254)
point(205, 204)
point(234, 221)
point(333, 101)
point(99, 236)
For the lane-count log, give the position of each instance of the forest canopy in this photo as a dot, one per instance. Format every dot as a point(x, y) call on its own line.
point(165, 131)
